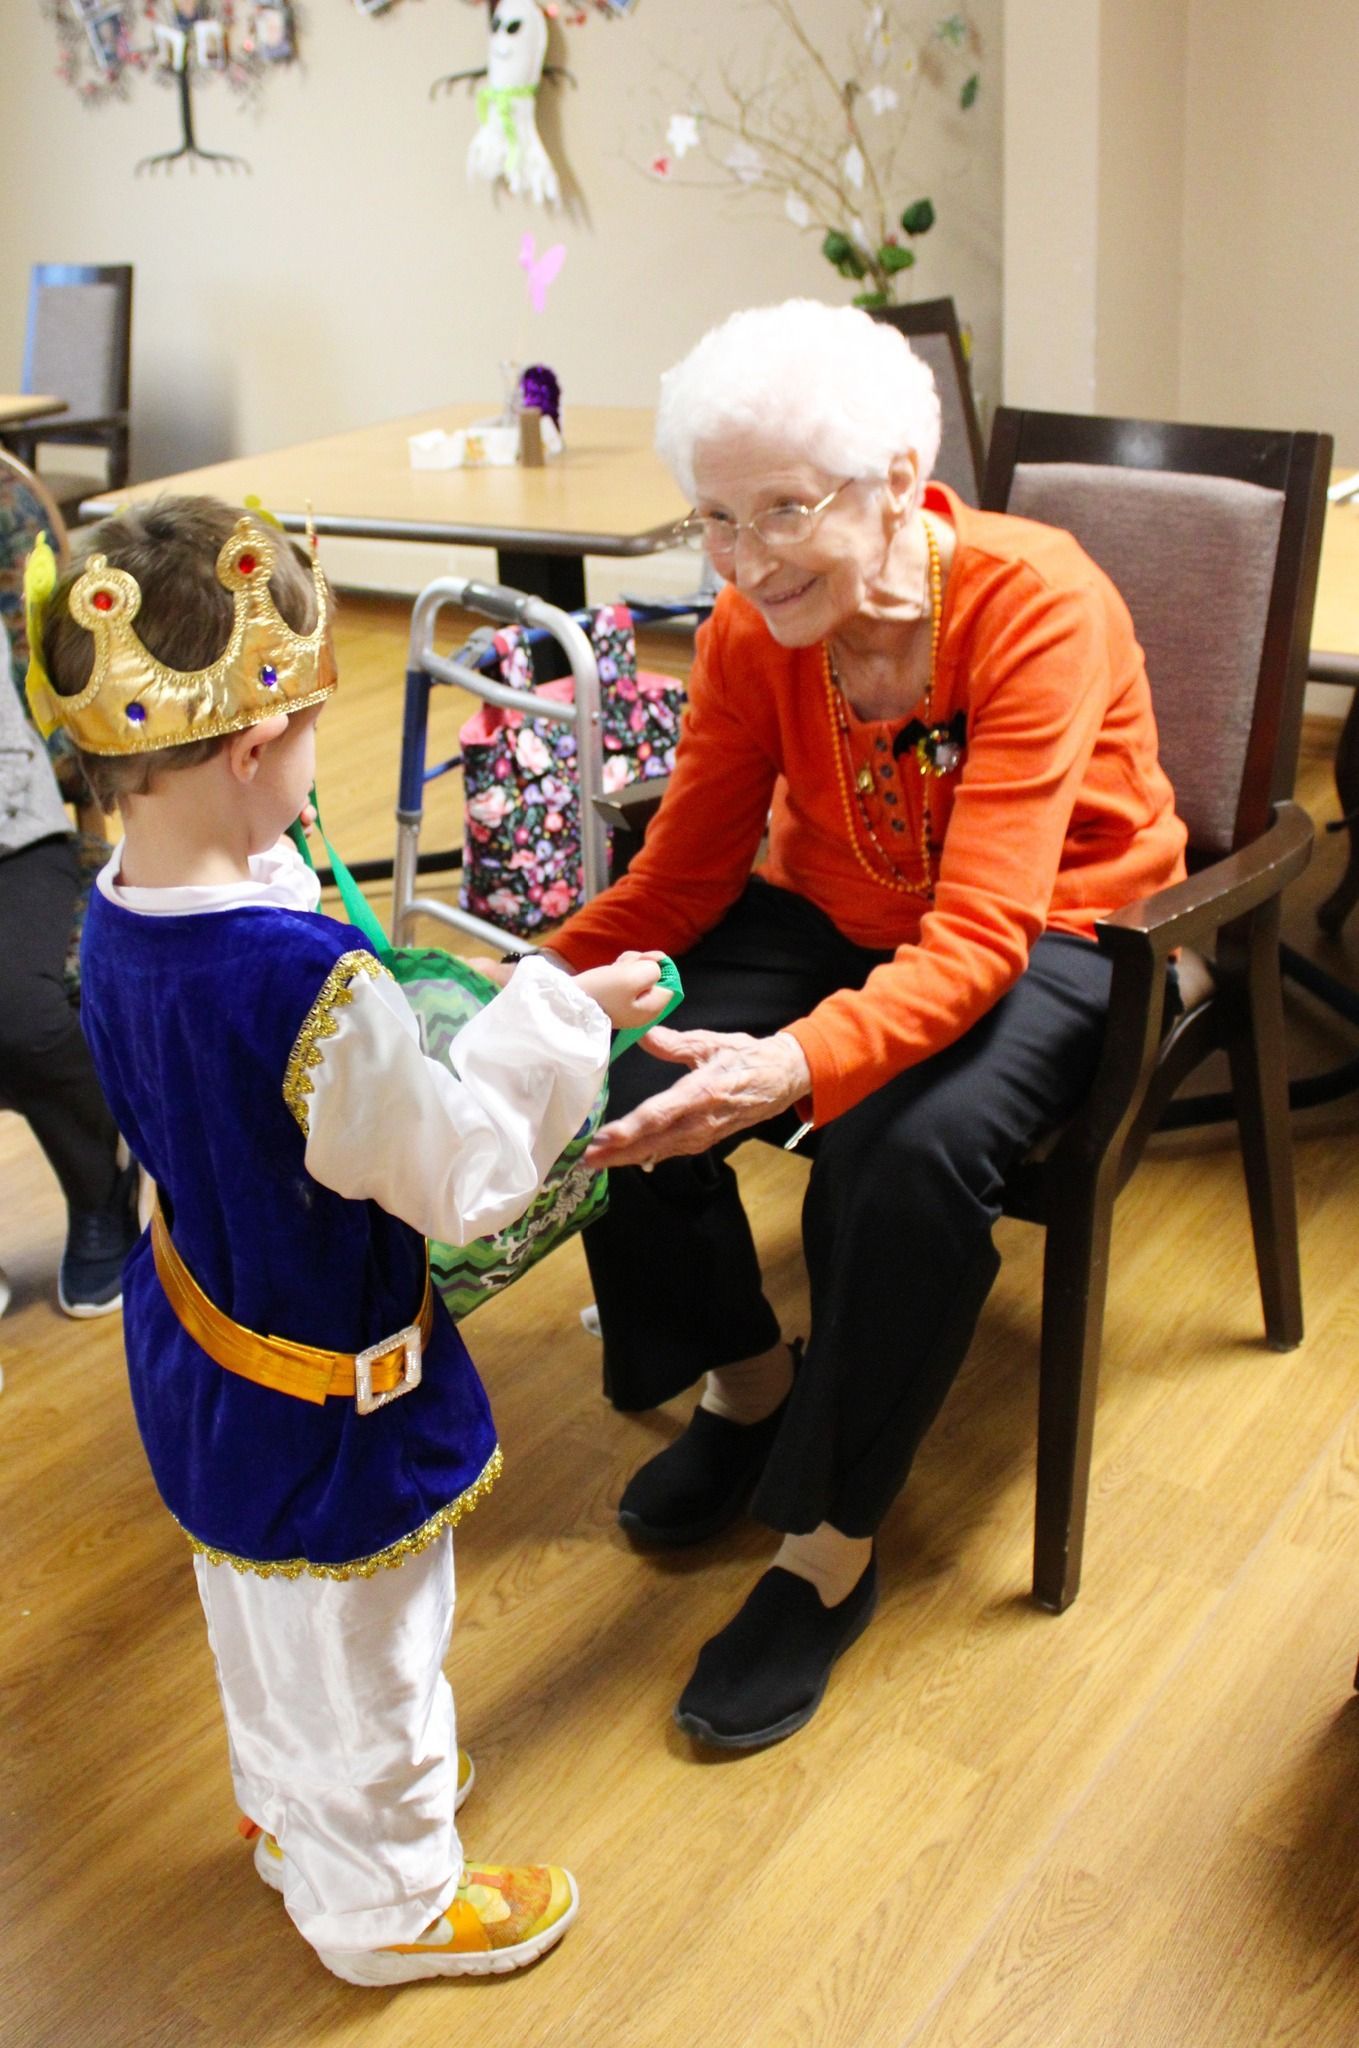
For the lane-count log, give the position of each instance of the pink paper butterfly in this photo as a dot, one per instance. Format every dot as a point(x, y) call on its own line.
point(541, 270)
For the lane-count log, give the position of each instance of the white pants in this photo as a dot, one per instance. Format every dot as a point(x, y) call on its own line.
point(342, 1738)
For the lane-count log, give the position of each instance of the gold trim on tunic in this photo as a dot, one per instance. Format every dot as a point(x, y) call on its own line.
point(320, 1023)
point(364, 1567)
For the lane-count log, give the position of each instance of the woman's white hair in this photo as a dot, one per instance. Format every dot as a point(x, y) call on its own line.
point(833, 386)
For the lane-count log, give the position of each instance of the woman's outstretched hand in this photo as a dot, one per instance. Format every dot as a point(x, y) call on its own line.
point(734, 1081)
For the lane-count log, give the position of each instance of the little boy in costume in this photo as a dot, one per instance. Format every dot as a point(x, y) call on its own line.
point(310, 1413)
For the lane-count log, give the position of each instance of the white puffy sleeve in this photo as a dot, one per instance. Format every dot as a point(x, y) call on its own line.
point(456, 1150)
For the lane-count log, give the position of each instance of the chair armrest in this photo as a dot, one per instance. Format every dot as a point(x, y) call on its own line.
point(1333, 668)
point(1189, 912)
point(632, 809)
point(54, 426)
point(1139, 939)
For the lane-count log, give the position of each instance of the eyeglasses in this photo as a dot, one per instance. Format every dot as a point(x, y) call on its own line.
point(780, 526)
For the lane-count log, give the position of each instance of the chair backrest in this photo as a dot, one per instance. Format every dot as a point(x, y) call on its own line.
point(1213, 537)
point(27, 509)
point(933, 332)
point(79, 337)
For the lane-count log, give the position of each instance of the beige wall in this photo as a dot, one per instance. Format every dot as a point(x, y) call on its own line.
point(1270, 326)
point(1181, 210)
point(1093, 195)
point(1050, 203)
point(1141, 202)
point(356, 276)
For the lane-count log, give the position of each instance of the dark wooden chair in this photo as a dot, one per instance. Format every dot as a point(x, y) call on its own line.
point(932, 329)
point(1213, 535)
point(79, 348)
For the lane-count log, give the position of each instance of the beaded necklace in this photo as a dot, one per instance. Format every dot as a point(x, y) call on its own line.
point(892, 879)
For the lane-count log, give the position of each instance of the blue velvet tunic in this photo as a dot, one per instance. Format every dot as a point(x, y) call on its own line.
point(192, 1021)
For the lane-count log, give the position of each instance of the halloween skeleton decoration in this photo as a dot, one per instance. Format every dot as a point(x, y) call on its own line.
point(507, 147)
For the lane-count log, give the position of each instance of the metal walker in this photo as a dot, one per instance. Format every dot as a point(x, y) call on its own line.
point(427, 669)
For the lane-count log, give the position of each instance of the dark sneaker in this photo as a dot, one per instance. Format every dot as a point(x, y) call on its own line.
point(90, 1282)
point(701, 1482)
point(763, 1675)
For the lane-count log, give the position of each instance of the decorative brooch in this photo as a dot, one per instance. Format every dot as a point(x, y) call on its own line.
point(937, 748)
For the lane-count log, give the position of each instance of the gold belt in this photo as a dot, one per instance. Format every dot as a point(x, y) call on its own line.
point(374, 1377)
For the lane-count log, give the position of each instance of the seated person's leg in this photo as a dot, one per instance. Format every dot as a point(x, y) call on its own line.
point(904, 1193)
point(673, 1265)
point(49, 1078)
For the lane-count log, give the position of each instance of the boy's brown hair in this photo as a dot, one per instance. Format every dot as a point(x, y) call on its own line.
point(170, 547)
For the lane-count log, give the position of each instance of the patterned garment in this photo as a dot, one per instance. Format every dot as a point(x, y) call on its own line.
point(521, 852)
point(23, 516)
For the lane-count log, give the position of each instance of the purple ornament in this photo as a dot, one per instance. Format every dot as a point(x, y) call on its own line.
point(137, 714)
point(269, 675)
point(538, 387)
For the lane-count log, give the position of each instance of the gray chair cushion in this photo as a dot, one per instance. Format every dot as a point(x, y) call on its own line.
point(75, 347)
point(955, 465)
point(1193, 557)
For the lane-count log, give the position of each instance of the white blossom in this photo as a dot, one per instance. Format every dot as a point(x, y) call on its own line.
point(877, 37)
point(745, 163)
point(881, 98)
point(853, 166)
point(797, 210)
point(682, 134)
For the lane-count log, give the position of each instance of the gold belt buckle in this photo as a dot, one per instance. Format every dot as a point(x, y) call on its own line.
point(411, 1345)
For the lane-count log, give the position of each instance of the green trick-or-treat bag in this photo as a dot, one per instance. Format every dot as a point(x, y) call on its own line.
point(445, 993)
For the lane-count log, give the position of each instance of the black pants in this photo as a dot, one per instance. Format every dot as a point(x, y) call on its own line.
point(46, 1072)
point(896, 1225)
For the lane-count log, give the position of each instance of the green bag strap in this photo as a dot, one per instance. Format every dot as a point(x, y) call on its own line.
point(364, 919)
point(357, 908)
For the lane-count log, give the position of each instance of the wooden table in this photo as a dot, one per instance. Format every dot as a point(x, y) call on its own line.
point(608, 494)
point(17, 406)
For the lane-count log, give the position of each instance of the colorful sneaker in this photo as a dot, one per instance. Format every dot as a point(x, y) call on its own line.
point(269, 1857)
point(90, 1278)
point(502, 1917)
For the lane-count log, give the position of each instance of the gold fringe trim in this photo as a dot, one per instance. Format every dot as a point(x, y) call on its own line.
point(382, 1560)
point(320, 1023)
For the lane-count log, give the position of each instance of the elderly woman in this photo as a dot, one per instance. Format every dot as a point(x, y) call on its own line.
point(942, 718)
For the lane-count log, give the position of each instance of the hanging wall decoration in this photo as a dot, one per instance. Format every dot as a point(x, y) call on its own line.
point(506, 147)
point(105, 45)
point(822, 129)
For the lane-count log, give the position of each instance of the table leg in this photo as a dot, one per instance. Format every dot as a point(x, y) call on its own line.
point(557, 579)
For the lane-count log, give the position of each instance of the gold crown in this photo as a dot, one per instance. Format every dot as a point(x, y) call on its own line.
point(134, 704)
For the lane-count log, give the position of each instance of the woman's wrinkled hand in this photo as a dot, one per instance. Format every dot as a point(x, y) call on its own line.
point(734, 1082)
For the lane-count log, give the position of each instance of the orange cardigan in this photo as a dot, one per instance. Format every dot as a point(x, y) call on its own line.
point(1059, 813)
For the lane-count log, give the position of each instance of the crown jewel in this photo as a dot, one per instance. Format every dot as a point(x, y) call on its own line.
point(133, 703)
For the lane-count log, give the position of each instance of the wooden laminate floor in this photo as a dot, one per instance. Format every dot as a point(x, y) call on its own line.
point(1136, 1826)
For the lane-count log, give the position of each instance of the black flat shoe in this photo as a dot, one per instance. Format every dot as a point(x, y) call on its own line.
point(763, 1675)
point(699, 1483)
